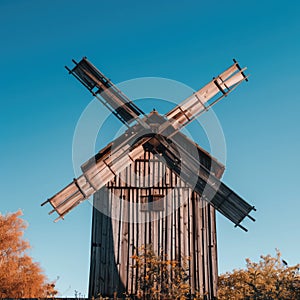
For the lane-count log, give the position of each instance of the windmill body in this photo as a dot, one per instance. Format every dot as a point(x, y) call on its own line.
point(163, 211)
point(153, 185)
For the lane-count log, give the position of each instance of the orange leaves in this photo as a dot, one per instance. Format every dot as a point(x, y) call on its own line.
point(269, 278)
point(11, 232)
point(20, 277)
point(159, 277)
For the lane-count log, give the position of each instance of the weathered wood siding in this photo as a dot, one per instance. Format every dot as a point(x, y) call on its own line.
point(181, 225)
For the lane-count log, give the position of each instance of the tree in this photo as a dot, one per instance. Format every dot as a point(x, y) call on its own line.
point(159, 277)
point(20, 276)
point(270, 278)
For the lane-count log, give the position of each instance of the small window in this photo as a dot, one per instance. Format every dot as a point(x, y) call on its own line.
point(152, 203)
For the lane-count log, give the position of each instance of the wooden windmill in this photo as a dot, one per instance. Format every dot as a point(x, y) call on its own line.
point(166, 185)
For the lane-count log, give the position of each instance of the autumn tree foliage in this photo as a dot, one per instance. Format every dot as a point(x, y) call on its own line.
point(160, 277)
point(269, 279)
point(20, 276)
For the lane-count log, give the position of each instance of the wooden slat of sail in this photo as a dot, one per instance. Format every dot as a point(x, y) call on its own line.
point(207, 96)
point(93, 179)
point(70, 197)
point(99, 85)
point(224, 199)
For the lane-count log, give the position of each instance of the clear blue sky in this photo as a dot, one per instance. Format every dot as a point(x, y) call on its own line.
point(188, 41)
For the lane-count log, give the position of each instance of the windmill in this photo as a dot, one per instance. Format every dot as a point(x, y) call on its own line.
point(166, 185)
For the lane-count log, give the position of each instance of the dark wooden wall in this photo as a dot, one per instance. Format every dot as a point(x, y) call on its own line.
point(180, 224)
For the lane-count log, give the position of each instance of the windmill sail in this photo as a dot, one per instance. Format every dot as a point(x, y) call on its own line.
point(102, 88)
point(94, 177)
point(206, 97)
point(211, 189)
